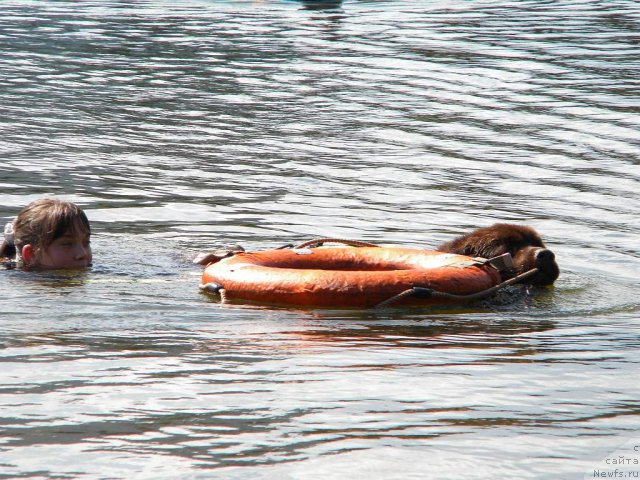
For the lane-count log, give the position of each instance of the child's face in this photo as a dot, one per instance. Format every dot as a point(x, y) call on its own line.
point(72, 250)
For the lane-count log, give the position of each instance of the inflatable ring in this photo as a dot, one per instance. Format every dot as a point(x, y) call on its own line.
point(347, 277)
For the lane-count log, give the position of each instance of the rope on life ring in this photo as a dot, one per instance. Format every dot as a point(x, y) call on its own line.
point(319, 241)
point(422, 292)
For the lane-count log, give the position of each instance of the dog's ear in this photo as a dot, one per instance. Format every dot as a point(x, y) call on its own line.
point(474, 247)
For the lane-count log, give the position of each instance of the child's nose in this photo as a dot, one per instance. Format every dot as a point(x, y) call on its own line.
point(83, 252)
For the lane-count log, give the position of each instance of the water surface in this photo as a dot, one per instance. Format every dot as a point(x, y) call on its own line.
point(185, 126)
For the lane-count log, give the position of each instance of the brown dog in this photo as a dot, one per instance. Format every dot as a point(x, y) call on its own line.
point(523, 243)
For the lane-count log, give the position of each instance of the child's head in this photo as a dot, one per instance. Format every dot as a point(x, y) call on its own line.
point(52, 234)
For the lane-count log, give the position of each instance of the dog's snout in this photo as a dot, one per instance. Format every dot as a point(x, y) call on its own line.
point(545, 262)
point(543, 256)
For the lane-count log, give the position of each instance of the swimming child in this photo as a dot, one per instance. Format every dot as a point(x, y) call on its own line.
point(48, 234)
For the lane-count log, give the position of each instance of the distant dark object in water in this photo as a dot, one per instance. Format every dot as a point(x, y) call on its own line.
point(321, 4)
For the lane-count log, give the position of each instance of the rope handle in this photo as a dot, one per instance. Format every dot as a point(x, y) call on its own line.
point(428, 292)
point(319, 241)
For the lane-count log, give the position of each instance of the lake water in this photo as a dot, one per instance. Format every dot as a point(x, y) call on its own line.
point(187, 126)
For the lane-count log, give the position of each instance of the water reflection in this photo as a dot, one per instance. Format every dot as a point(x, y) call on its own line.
point(436, 333)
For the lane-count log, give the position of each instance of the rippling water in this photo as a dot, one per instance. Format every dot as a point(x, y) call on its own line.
point(183, 126)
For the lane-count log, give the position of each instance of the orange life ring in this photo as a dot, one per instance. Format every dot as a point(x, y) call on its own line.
point(346, 277)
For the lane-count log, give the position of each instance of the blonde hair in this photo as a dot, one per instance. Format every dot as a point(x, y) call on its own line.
point(45, 220)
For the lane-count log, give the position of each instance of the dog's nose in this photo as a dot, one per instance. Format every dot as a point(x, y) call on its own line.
point(548, 271)
point(544, 257)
